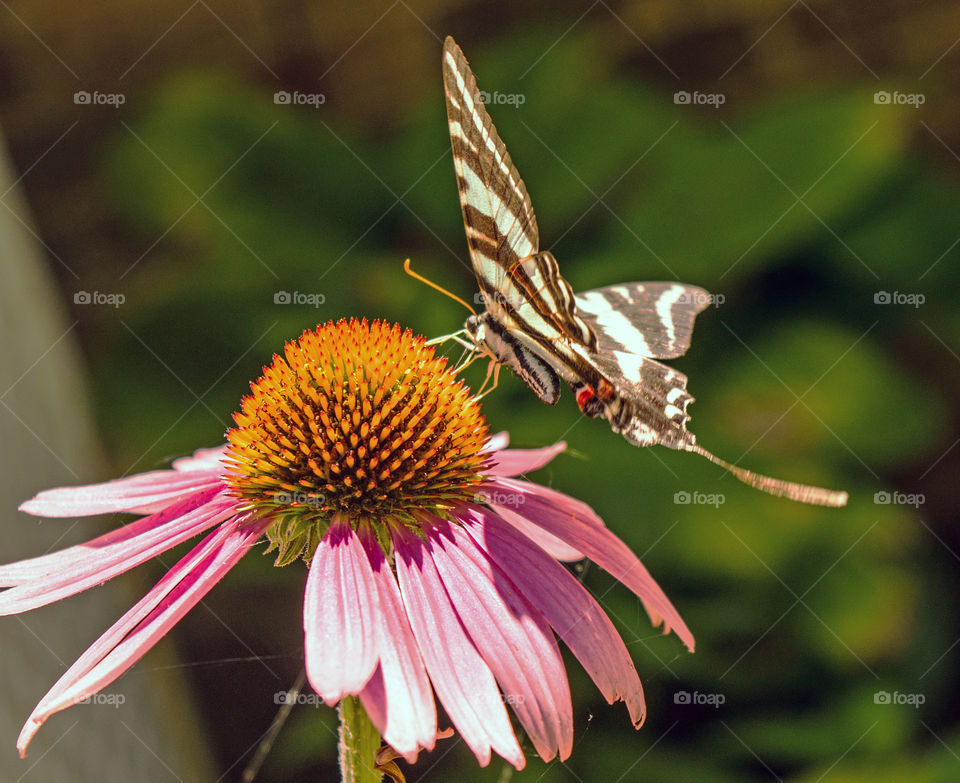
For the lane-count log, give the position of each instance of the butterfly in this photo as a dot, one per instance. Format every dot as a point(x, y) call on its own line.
point(606, 343)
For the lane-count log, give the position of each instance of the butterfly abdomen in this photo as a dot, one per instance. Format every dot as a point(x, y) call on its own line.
point(524, 363)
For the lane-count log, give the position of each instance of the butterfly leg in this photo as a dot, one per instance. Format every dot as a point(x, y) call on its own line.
point(493, 370)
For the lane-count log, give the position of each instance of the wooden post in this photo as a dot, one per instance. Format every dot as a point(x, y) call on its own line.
point(47, 439)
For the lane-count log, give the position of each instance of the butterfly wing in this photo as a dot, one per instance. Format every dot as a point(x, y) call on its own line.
point(522, 287)
point(635, 324)
point(650, 319)
point(497, 213)
point(650, 403)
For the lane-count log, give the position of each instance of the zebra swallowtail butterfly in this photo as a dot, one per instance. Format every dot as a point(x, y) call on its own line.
point(603, 343)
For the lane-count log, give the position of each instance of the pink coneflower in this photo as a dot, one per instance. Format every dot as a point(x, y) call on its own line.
point(359, 451)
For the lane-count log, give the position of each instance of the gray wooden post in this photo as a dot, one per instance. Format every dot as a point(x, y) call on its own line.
point(47, 439)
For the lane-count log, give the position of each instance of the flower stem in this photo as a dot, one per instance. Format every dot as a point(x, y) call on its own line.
point(359, 743)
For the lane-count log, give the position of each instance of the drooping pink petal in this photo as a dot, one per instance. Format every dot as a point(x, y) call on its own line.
point(95, 566)
point(563, 517)
point(202, 459)
point(144, 493)
point(149, 620)
point(513, 638)
point(462, 680)
point(571, 611)
point(569, 504)
point(555, 547)
point(513, 462)
point(36, 567)
point(507, 504)
point(398, 697)
point(342, 618)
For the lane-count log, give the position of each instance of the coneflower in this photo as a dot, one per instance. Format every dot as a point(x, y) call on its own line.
point(431, 569)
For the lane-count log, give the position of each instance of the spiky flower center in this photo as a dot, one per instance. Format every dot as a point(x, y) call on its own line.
point(356, 418)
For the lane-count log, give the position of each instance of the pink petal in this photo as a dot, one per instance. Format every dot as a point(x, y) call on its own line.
point(341, 615)
point(572, 505)
point(513, 638)
point(398, 698)
point(496, 442)
point(145, 493)
point(202, 459)
point(171, 527)
point(513, 462)
point(462, 680)
point(36, 567)
point(563, 517)
point(555, 547)
point(566, 605)
point(152, 617)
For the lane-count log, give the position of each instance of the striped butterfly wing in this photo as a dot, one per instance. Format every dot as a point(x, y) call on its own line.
point(522, 288)
point(636, 323)
point(649, 319)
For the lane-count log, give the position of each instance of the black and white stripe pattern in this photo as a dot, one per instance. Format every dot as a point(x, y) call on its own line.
point(650, 319)
point(604, 343)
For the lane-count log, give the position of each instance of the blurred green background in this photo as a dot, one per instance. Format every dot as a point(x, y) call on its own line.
point(823, 216)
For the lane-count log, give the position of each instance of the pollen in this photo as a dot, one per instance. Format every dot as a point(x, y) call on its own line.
point(356, 418)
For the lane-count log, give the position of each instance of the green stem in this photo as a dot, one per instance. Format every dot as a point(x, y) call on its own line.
point(359, 743)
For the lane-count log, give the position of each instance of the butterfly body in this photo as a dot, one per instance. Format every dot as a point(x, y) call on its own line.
point(606, 343)
point(510, 351)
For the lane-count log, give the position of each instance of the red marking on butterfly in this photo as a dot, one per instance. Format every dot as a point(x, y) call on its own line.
point(584, 396)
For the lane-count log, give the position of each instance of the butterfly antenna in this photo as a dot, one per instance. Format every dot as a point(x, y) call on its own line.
point(802, 493)
point(422, 279)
